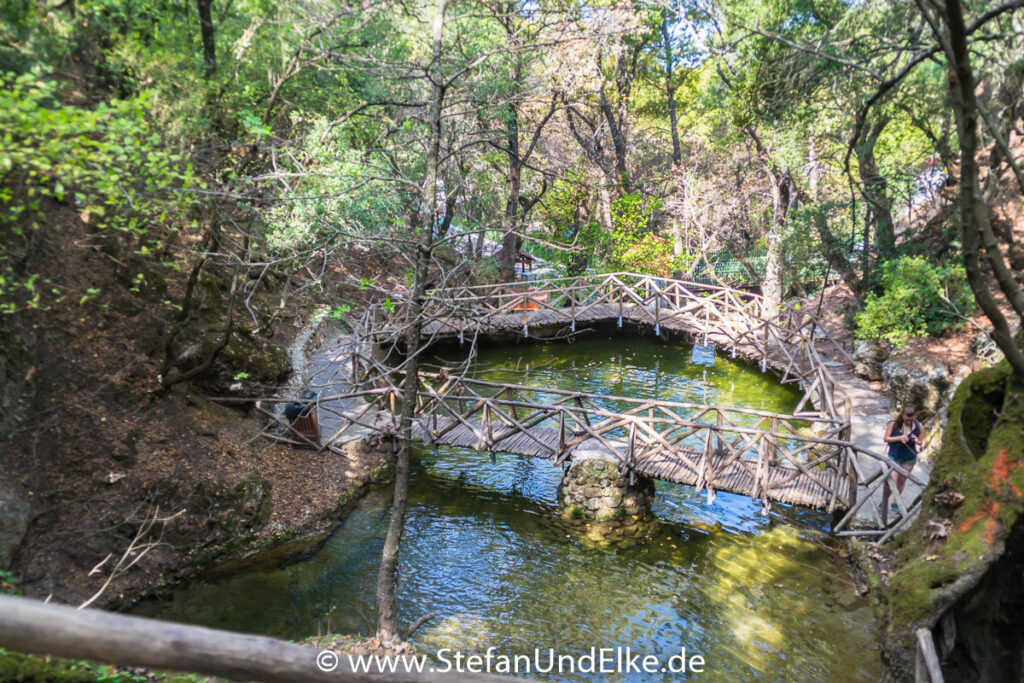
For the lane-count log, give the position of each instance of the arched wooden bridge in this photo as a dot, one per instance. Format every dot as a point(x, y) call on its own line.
point(805, 458)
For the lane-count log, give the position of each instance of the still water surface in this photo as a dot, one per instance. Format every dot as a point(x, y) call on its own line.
point(484, 550)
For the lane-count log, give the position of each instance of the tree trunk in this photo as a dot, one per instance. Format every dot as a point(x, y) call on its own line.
point(618, 142)
point(784, 197)
point(206, 31)
point(511, 240)
point(813, 170)
point(975, 227)
point(449, 213)
point(875, 191)
point(604, 196)
point(771, 286)
point(387, 620)
point(670, 93)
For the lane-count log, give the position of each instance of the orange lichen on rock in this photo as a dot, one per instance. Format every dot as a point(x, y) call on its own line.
point(999, 481)
point(999, 477)
point(989, 510)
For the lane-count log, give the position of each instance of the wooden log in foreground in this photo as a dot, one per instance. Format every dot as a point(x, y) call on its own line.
point(32, 626)
point(927, 669)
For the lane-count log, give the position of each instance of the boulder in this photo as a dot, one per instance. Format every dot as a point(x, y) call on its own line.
point(868, 356)
point(14, 516)
point(917, 382)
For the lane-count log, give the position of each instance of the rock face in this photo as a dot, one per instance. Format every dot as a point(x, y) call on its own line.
point(916, 382)
point(14, 516)
point(868, 357)
point(593, 489)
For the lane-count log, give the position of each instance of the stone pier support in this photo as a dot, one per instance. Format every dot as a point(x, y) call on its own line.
point(593, 489)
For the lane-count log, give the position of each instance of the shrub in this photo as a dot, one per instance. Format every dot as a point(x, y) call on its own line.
point(633, 247)
point(918, 298)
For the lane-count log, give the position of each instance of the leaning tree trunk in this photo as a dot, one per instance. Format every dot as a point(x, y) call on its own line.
point(387, 620)
point(511, 239)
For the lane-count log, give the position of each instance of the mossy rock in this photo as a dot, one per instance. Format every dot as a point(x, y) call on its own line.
point(973, 501)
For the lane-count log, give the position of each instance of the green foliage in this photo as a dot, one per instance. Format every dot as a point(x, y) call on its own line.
point(918, 298)
point(633, 247)
point(107, 162)
point(565, 212)
point(801, 246)
point(8, 584)
point(16, 667)
point(339, 312)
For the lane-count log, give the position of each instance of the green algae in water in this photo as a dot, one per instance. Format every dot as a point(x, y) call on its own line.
point(484, 549)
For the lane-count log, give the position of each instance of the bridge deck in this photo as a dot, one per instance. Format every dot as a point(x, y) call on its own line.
point(785, 483)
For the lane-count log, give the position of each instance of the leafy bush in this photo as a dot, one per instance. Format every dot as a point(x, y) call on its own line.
point(802, 249)
point(565, 213)
point(633, 247)
point(108, 162)
point(919, 298)
point(107, 159)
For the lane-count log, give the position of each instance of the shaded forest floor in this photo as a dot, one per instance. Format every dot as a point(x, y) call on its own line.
point(99, 449)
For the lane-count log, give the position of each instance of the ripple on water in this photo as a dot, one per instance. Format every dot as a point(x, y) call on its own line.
point(759, 600)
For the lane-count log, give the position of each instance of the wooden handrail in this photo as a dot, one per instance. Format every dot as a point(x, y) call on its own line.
point(36, 627)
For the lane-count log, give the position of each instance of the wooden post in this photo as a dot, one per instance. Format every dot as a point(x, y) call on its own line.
point(709, 473)
point(629, 452)
point(707, 321)
point(718, 412)
point(561, 431)
point(927, 659)
point(579, 404)
point(764, 353)
point(487, 421)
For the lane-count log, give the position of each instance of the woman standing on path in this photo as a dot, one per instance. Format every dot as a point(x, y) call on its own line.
point(904, 436)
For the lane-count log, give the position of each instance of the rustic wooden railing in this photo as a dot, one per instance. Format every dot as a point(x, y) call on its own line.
point(803, 458)
point(712, 314)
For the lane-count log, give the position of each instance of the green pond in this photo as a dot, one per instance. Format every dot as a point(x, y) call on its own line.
point(486, 550)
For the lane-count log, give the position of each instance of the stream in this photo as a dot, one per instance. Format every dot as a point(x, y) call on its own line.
point(486, 549)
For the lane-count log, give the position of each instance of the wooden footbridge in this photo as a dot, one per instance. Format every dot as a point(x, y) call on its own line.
point(804, 458)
